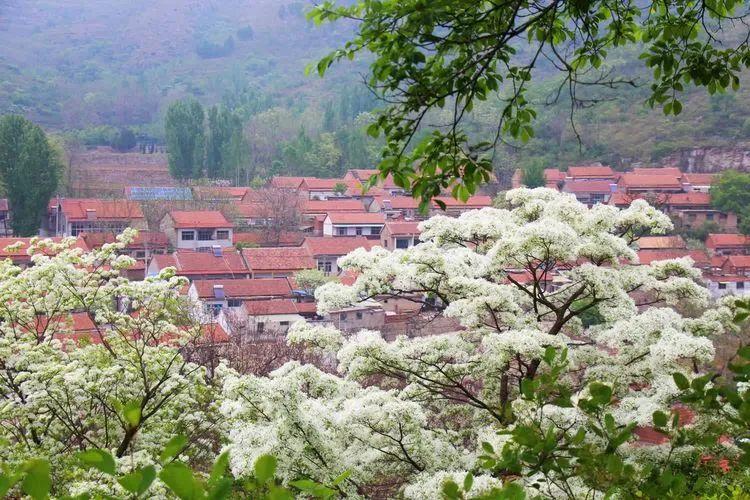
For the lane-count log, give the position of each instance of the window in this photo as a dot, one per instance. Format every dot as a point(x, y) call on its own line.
point(359, 314)
point(325, 265)
point(261, 327)
point(222, 234)
point(709, 216)
point(215, 309)
point(284, 324)
point(358, 231)
point(343, 316)
point(342, 231)
point(375, 230)
point(205, 234)
point(740, 285)
point(234, 302)
point(187, 236)
point(402, 242)
point(722, 286)
point(140, 254)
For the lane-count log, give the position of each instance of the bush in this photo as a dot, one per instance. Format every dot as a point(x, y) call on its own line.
point(124, 140)
point(245, 33)
point(211, 50)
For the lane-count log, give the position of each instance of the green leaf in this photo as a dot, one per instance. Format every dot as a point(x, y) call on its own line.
point(132, 413)
point(98, 459)
point(660, 419)
point(138, 481)
point(179, 479)
point(221, 490)
point(450, 489)
point(37, 483)
point(7, 482)
point(601, 393)
point(265, 468)
point(468, 481)
point(681, 381)
point(219, 468)
point(342, 477)
point(173, 447)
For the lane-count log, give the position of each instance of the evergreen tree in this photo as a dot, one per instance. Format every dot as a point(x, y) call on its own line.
point(30, 170)
point(185, 138)
point(533, 174)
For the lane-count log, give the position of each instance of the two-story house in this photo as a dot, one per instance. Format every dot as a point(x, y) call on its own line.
point(399, 234)
point(365, 224)
point(326, 251)
point(74, 216)
point(197, 230)
point(213, 296)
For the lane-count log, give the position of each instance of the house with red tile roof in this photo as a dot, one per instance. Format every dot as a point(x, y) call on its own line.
point(671, 171)
point(363, 175)
point(698, 182)
point(365, 224)
point(632, 183)
point(201, 230)
point(693, 209)
point(220, 193)
point(661, 243)
point(400, 234)
point(312, 208)
point(322, 189)
point(212, 296)
point(260, 238)
point(286, 182)
point(267, 317)
point(250, 214)
point(18, 254)
point(396, 207)
point(74, 216)
point(737, 265)
point(277, 262)
point(143, 247)
point(223, 264)
point(727, 284)
point(728, 244)
point(553, 178)
point(454, 207)
point(326, 251)
point(700, 258)
point(591, 173)
point(590, 192)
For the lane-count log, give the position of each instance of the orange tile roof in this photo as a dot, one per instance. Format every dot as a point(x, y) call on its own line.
point(590, 171)
point(399, 202)
point(699, 179)
point(282, 259)
point(403, 227)
point(220, 192)
point(587, 186)
point(326, 245)
point(648, 256)
point(673, 171)
point(270, 307)
point(324, 184)
point(739, 261)
point(188, 262)
point(356, 218)
point(553, 175)
point(286, 182)
point(661, 243)
point(688, 199)
point(632, 180)
point(260, 238)
point(331, 205)
point(716, 240)
point(250, 210)
point(199, 219)
point(245, 288)
point(77, 209)
point(213, 332)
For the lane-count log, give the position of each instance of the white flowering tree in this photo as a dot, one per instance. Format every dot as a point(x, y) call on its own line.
point(90, 360)
point(544, 279)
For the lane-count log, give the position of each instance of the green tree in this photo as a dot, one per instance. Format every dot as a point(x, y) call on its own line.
point(183, 127)
point(124, 140)
point(731, 193)
point(30, 170)
point(221, 125)
point(438, 59)
point(533, 174)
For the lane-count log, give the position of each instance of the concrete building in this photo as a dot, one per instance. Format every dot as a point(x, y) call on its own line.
point(200, 230)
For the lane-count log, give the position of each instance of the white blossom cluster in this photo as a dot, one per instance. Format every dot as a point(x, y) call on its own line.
point(518, 280)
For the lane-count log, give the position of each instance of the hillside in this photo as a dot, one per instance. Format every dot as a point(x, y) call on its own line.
point(80, 63)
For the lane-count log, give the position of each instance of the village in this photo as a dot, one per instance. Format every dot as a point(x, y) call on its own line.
point(253, 256)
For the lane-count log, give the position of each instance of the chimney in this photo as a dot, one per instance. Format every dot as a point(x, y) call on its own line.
point(90, 214)
point(219, 292)
point(217, 250)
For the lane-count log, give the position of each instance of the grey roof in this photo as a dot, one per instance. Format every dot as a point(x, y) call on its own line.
point(159, 193)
